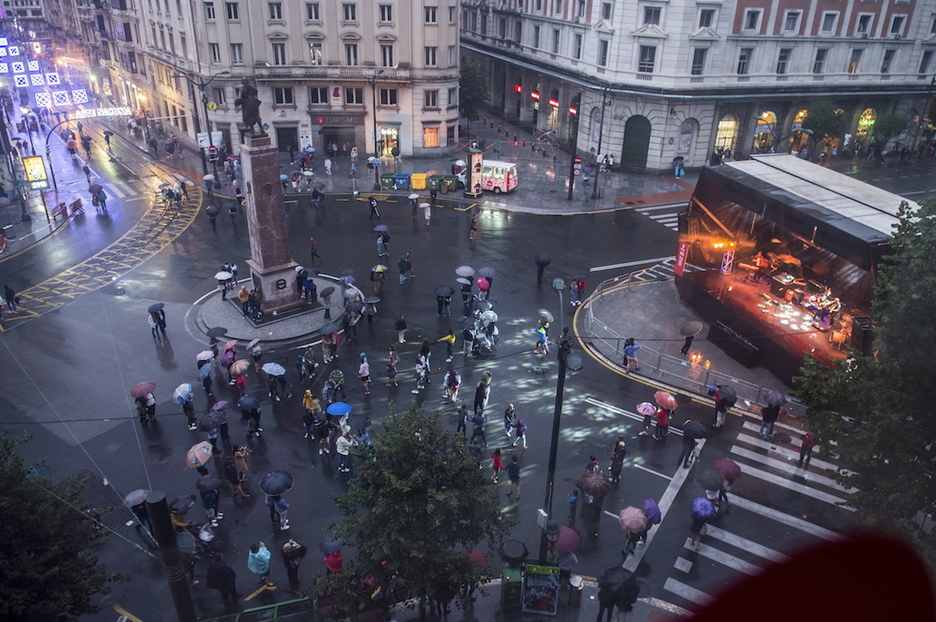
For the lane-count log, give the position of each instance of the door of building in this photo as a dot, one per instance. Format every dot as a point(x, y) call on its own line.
point(636, 143)
point(286, 137)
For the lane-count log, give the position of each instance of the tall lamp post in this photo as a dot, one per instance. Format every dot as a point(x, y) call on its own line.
point(202, 85)
point(567, 361)
point(376, 161)
point(596, 191)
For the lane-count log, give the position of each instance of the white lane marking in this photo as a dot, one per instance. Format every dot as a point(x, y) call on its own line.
point(620, 411)
point(711, 531)
point(795, 487)
point(796, 441)
point(665, 606)
point(653, 208)
point(657, 473)
point(628, 264)
point(790, 521)
point(688, 592)
point(725, 559)
point(790, 468)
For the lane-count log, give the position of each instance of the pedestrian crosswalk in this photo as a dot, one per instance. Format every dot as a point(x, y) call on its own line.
point(667, 215)
point(773, 510)
point(664, 269)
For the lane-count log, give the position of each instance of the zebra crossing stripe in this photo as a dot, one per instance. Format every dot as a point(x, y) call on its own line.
point(688, 592)
point(795, 487)
point(725, 559)
point(792, 469)
point(711, 531)
point(790, 521)
point(788, 453)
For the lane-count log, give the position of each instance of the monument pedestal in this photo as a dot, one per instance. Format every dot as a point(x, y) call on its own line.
point(277, 285)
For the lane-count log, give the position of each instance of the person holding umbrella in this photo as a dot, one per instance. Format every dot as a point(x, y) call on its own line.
point(729, 471)
point(222, 577)
point(542, 260)
point(343, 448)
point(692, 432)
point(701, 511)
point(233, 478)
point(208, 490)
point(725, 397)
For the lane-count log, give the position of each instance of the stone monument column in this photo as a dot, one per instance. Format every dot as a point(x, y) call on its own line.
point(272, 269)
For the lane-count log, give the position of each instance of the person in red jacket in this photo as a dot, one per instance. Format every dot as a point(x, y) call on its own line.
point(662, 424)
point(497, 464)
point(805, 452)
point(334, 562)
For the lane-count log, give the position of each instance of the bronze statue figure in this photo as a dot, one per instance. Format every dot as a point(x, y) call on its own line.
point(250, 106)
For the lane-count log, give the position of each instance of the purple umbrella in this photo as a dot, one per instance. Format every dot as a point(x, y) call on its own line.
point(568, 540)
point(702, 509)
point(652, 510)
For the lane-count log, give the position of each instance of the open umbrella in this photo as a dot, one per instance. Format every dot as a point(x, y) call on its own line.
point(568, 540)
point(465, 271)
point(488, 317)
point(209, 483)
point(274, 369)
point(618, 586)
point(331, 327)
point(328, 291)
point(546, 316)
point(775, 399)
point(347, 272)
point(239, 366)
point(228, 359)
point(381, 228)
point(71, 144)
point(646, 409)
point(198, 455)
point(425, 205)
point(108, 133)
point(487, 272)
point(701, 508)
point(95, 188)
point(308, 173)
point(248, 402)
point(379, 268)
point(652, 511)
point(728, 394)
point(463, 281)
point(543, 259)
point(413, 196)
point(331, 545)
point(162, 186)
point(513, 552)
point(229, 205)
point(136, 497)
point(710, 479)
point(213, 210)
point(483, 284)
point(346, 280)
point(223, 275)
point(284, 177)
point(666, 400)
point(216, 331)
point(371, 300)
point(252, 344)
point(356, 306)
point(204, 372)
point(728, 468)
point(690, 329)
point(156, 306)
point(142, 389)
point(219, 405)
point(482, 305)
point(211, 421)
point(338, 409)
point(204, 355)
point(444, 290)
point(230, 345)
point(694, 429)
point(318, 185)
point(475, 557)
point(208, 177)
point(182, 394)
point(181, 505)
point(595, 483)
point(276, 483)
point(632, 519)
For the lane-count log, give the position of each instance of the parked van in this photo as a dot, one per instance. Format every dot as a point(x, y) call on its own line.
point(496, 176)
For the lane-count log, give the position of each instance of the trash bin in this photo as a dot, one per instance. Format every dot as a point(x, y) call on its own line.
point(402, 181)
point(386, 181)
point(576, 585)
point(418, 181)
point(435, 182)
point(449, 183)
point(511, 590)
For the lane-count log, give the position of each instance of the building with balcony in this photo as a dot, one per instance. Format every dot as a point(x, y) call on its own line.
point(652, 80)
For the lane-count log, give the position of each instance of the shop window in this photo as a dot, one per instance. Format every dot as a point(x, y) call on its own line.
point(430, 137)
point(727, 133)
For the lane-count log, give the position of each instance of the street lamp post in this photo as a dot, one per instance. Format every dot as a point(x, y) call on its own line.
point(202, 86)
point(376, 161)
point(596, 191)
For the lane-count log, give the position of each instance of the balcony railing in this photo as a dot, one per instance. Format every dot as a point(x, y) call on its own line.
point(329, 72)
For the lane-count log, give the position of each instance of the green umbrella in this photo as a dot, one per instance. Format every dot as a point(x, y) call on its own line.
point(710, 479)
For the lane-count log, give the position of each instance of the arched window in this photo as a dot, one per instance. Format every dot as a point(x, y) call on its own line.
point(686, 134)
point(866, 124)
point(727, 133)
point(766, 132)
point(595, 124)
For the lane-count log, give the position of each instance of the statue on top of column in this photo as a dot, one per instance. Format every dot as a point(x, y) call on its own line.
point(250, 106)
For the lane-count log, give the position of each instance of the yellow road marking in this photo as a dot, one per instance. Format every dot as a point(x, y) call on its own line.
point(126, 613)
point(260, 589)
point(465, 209)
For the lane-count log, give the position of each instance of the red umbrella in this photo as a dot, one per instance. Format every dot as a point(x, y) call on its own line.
point(666, 400)
point(568, 540)
point(595, 483)
point(71, 144)
point(142, 389)
point(475, 557)
point(728, 468)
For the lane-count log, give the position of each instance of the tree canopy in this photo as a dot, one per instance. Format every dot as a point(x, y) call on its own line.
point(472, 90)
point(878, 410)
point(824, 119)
point(888, 125)
point(46, 570)
point(422, 502)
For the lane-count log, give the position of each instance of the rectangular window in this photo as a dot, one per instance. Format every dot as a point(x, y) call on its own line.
point(518, 32)
point(184, 43)
point(431, 99)
point(312, 11)
point(854, 62)
point(318, 95)
point(350, 53)
point(647, 59)
point(577, 46)
point(819, 62)
point(581, 9)
point(315, 53)
point(706, 18)
point(502, 28)
point(452, 55)
point(430, 137)
point(209, 11)
point(453, 96)
point(925, 62)
point(388, 97)
point(604, 47)
point(282, 95)
point(606, 10)
point(897, 25)
point(431, 56)
point(555, 41)
point(558, 7)
point(791, 21)
point(232, 10)
point(783, 60)
point(536, 37)
point(276, 11)
point(752, 19)
point(237, 53)
point(279, 53)
point(888, 60)
point(933, 26)
point(430, 14)
point(698, 61)
point(452, 14)
point(215, 50)
point(353, 95)
point(652, 15)
point(863, 27)
point(386, 56)
point(349, 12)
point(744, 61)
point(386, 13)
point(219, 96)
point(829, 19)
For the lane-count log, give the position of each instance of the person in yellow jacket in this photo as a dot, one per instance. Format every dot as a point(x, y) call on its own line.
point(449, 341)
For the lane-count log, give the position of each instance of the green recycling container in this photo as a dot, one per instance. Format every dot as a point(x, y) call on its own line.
point(386, 181)
point(449, 183)
point(435, 182)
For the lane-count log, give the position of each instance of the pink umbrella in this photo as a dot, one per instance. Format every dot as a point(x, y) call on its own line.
point(646, 409)
point(483, 284)
point(568, 540)
point(239, 366)
point(632, 519)
point(728, 468)
point(230, 345)
point(666, 400)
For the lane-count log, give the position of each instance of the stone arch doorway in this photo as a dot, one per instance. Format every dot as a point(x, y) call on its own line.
point(636, 142)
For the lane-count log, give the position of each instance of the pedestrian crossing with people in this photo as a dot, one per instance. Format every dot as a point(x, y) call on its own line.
point(666, 214)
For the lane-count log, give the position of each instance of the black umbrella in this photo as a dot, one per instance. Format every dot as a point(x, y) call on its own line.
point(694, 429)
point(618, 586)
point(209, 483)
point(330, 545)
point(86, 139)
point(136, 497)
point(483, 305)
point(318, 185)
point(211, 421)
point(331, 327)
point(213, 210)
point(543, 259)
point(248, 402)
point(180, 505)
point(445, 290)
point(229, 204)
point(372, 300)
point(727, 394)
point(513, 552)
point(690, 329)
point(156, 306)
point(328, 291)
point(276, 483)
point(217, 331)
point(775, 399)
point(468, 324)
point(356, 306)
point(108, 133)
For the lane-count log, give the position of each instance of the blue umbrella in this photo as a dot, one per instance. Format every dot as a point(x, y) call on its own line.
point(248, 402)
point(153, 308)
point(346, 280)
point(338, 408)
point(205, 371)
point(702, 509)
point(182, 394)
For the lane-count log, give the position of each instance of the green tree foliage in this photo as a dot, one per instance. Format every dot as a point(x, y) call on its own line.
point(887, 126)
point(46, 571)
point(422, 502)
point(879, 410)
point(825, 121)
point(473, 88)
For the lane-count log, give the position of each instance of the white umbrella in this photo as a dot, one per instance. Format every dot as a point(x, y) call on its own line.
point(274, 369)
point(223, 275)
point(204, 355)
point(414, 196)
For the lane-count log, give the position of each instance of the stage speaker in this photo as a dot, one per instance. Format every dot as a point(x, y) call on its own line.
point(862, 337)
